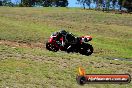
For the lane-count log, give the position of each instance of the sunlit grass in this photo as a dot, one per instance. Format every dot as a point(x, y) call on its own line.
point(32, 67)
point(25, 67)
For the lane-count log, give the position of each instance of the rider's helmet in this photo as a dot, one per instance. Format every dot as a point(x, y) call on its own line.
point(63, 32)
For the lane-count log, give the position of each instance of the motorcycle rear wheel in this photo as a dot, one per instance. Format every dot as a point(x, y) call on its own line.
point(86, 49)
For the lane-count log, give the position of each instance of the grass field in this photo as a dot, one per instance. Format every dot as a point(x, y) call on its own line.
point(24, 66)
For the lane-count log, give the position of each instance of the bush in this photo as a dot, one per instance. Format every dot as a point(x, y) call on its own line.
point(20, 5)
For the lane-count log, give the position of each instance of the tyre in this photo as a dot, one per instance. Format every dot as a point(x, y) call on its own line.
point(86, 49)
point(51, 47)
point(54, 48)
point(48, 46)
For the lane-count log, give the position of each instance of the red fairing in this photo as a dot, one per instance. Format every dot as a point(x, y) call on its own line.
point(86, 38)
point(51, 39)
point(61, 39)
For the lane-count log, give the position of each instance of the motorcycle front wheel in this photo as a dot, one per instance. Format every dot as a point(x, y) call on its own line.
point(51, 47)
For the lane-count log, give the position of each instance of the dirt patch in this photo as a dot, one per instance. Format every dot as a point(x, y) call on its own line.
point(25, 45)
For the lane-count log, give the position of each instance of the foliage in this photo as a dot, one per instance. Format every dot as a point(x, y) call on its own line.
point(126, 3)
point(6, 3)
point(87, 2)
point(105, 4)
point(45, 3)
point(0, 3)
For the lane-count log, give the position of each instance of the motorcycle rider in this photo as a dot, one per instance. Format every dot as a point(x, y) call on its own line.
point(65, 36)
point(65, 41)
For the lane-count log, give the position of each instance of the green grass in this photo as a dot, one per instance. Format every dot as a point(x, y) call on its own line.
point(111, 32)
point(32, 67)
point(25, 67)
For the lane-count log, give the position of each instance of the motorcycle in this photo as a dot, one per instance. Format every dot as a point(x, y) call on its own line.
point(78, 45)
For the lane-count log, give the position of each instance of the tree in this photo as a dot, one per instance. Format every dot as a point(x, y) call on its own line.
point(28, 3)
point(120, 2)
point(114, 4)
point(81, 2)
point(57, 3)
point(126, 4)
point(85, 2)
point(0, 3)
point(107, 5)
point(7, 3)
point(45, 3)
point(99, 3)
point(88, 2)
point(61, 3)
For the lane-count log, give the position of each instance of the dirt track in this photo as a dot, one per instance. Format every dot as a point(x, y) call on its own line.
point(20, 44)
